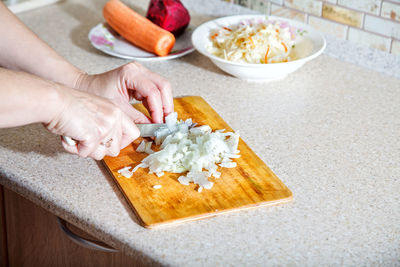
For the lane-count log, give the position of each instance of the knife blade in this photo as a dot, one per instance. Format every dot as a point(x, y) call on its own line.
point(148, 129)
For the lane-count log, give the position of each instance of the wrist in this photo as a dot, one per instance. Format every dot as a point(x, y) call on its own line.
point(85, 83)
point(52, 104)
point(92, 84)
point(57, 69)
point(80, 81)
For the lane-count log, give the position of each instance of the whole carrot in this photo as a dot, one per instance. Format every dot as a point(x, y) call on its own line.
point(137, 29)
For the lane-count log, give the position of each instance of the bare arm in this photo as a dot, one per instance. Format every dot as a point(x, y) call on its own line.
point(25, 99)
point(21, 49)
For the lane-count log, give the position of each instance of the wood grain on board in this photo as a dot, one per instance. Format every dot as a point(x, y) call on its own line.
point(249, 184)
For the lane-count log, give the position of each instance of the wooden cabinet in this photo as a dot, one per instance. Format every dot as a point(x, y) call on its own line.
point(30, 236)
point(3, 235)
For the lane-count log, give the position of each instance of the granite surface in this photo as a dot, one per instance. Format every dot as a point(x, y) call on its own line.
point(330, 131)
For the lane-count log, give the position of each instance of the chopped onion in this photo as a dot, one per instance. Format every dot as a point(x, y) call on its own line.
point(184, 180)
point(228, 164)
point(159, 174)
point(125, 172)
point(124, 169)
point(141, 147)
point(140, 165)
point(184, 148)
point(147, 148)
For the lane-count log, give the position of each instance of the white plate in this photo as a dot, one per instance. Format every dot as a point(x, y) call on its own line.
point(107, 40)
point(311, 42)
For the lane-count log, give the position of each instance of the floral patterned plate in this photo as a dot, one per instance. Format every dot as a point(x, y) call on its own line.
point(107, 40)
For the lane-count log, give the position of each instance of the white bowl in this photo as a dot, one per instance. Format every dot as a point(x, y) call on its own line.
point(312, 44)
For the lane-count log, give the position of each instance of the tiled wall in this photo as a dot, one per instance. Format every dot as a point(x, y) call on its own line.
point(375, 23)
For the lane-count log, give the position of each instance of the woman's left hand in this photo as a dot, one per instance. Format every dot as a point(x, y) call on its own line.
point(128, 82)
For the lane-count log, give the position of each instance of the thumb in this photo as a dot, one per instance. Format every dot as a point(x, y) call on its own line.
point(129, 132)
point(135, 115)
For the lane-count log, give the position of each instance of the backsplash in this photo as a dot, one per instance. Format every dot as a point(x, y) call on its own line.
point(375, 23)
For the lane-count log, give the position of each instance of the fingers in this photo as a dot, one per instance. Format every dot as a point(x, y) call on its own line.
point(121, 135)
point(165, 89)
point(99, 153)
point(109, 132)
point(150, 88)
point(124, 134)
point(112, 142)
point(129, 132)
point(135, 115)
point(152, 96)
point(108, 146)
point(89, 148)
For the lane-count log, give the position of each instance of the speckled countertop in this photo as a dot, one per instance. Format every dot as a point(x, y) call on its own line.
point(330, 131)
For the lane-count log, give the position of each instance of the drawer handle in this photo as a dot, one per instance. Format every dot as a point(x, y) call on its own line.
point(97, 245)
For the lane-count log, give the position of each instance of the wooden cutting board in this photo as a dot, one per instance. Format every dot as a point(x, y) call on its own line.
point(248, 185)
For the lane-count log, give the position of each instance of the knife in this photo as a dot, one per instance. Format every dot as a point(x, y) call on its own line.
point(146, 130)
point(149, 129)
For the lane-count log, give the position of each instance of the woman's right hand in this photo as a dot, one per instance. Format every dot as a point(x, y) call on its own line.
point(99, 127)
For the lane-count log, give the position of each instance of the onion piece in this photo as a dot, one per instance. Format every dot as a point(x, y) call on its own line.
point(184, 180)
point(125, 171)
point(147, 148)
point(228, 164)
point(127, 168)
point(141, 147)
point(140, 165)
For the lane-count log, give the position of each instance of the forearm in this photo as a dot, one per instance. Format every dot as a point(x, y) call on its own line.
point(26, 99)
point(21, 49)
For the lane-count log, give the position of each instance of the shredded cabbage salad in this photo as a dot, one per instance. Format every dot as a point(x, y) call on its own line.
point(184, 148)
point(257, 42)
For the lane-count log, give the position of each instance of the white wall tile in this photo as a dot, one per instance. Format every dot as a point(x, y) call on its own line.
point(245, 3)
point(330, 1)
point(396, 47)
point(372, 40)
point(342, 15)
point(382, 26)
point(278, 2)
point(328, 27)
point(370, 6)
point(287, 13)
point(308, 6)
point(390, 11)
point(261, 6)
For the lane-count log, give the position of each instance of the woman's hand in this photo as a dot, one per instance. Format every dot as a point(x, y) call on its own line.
point(98, 125)
point(132, 81)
